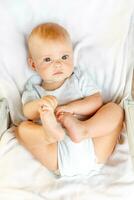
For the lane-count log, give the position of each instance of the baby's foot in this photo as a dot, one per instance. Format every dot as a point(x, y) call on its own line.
point(75, 128)
point(52, 128)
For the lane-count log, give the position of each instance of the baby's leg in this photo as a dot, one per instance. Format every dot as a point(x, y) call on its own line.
point(104, 128)
point(105, 145)
point(33, 137)
point(112, 115)
point(107, 119)
point(51, 127)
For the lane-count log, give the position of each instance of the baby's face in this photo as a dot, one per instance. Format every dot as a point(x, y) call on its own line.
point(53, 59)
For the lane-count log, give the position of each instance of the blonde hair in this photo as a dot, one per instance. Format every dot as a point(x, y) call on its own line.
point(49, 31)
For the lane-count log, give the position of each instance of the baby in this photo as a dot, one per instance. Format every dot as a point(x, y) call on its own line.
point(75, 132)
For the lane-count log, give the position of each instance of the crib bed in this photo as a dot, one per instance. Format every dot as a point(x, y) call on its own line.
point(103, 38)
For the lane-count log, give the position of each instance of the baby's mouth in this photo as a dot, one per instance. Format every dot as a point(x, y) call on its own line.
point(57, 73)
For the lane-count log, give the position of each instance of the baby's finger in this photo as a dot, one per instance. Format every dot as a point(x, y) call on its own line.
point(58, 111)
point(52, 100)
point(43, 108)
point(59, 116)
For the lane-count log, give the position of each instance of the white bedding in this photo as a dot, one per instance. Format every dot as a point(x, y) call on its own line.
point(23, 178)
point(102, 33)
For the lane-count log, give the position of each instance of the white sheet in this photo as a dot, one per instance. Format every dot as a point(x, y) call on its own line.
point(22, 177)
point(103, 44)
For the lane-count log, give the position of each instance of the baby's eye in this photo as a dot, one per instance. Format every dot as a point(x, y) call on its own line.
point(65, 57)
point(47, 59)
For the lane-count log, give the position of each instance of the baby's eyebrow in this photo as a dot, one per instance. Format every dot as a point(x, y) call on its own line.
point(49, 55)
point(66, 51)
point(46, 55)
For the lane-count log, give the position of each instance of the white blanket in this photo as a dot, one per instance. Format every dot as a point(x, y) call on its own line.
point(23, 178)
point(102, 33)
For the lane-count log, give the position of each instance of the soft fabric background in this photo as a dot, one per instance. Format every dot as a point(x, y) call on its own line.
point(103, 37)
point(100, 32)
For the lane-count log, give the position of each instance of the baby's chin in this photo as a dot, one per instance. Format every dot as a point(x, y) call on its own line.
point(58, 78)
point(54, 80)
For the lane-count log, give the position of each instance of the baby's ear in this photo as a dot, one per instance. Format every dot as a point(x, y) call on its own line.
point(31, 63)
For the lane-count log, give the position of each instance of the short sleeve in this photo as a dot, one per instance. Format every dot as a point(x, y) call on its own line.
point(86, 83)
point(28, 96)
point(30, 92)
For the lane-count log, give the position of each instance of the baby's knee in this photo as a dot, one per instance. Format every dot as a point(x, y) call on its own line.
point(22, 127)
point(117, 110)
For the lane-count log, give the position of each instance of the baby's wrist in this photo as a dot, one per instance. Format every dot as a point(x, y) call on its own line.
point(70, 109)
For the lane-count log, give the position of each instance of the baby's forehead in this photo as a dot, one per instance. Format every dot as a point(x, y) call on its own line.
point(42, 47)
point(51, 43)
point(56, 41)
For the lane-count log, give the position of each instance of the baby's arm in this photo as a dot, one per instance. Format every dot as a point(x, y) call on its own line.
point(86, 106)
point(31, 109)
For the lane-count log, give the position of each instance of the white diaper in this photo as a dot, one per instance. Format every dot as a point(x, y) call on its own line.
point(76, 158)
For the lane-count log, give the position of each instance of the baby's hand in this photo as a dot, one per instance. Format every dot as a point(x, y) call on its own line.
point(48, 102)
point(61, 109)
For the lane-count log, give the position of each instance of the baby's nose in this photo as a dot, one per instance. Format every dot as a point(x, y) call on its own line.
point(58, 63)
